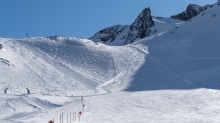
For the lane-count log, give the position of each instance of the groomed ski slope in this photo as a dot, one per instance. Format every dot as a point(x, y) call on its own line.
point(166, 78)
point(56, 67)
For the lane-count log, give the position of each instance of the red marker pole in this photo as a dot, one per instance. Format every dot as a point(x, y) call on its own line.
point(80, 115)
point(83, 108)
point(50, 121)
point(62, 117)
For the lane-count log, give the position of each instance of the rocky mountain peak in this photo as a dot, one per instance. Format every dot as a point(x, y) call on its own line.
point(143, 18)
point(140, 28)
point(191, 11)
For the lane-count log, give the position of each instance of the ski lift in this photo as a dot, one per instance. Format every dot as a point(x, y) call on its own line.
point(1, 46)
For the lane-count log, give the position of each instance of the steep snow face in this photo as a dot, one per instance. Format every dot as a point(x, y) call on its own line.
point(164, 25)
point(189, 53)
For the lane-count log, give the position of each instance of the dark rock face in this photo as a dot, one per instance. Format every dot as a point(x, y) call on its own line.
point(110, 33)
point(140, 28)
point(191, 11)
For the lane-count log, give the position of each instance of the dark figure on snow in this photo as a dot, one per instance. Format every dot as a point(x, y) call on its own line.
point(5, 91)
point(1, 46)
point(81, 98)
point(28, 91)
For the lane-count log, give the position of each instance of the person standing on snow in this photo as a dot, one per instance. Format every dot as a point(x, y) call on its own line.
point(5, 91)
point(28, 91)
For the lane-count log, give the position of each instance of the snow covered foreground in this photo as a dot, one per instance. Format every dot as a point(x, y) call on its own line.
point(167, 78)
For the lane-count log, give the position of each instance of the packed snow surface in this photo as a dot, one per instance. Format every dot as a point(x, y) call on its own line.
point(166, 78)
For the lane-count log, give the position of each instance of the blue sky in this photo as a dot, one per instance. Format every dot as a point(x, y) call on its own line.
point(78, 18)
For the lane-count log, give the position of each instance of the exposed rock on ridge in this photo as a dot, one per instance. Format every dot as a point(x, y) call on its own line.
point(110, 33)
point(191, 11)
point(139, 29)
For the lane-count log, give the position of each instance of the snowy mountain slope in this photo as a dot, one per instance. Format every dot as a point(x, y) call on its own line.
point(160, 76)
point(69, 62)
point(118, 35)
point(189, 53)
point(29, 69)
point(58, 66)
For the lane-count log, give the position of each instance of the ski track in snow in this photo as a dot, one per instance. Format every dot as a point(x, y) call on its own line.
point(89, 83)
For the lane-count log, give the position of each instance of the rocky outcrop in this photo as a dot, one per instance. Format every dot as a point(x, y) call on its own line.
point(110, 33)
point(191, 11)
point(140, 28)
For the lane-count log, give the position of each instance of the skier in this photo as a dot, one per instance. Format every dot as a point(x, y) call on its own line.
point(1, 46)
point(5, 91)
point(83, 108)
point(82, 99)
point(28, 91)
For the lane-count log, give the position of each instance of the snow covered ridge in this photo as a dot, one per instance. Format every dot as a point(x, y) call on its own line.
point(139, 29)
point(145, 25)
